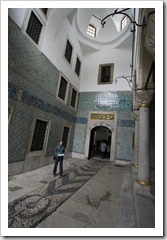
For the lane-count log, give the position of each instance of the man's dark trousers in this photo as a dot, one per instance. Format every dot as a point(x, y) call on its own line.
point(58, 159)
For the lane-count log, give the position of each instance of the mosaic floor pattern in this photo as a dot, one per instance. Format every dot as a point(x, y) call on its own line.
point(30, 210)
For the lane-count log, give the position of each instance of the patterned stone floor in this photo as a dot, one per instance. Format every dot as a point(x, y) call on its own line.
point(29, 210)
point(92, 194)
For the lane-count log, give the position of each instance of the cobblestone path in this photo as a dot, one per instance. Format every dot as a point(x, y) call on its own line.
point(30, 210)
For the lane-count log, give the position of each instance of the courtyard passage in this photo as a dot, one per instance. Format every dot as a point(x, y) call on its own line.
point(92, 194)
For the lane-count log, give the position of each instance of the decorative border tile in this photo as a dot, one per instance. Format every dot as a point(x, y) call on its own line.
point(105, 100)
point(40, 104)
point(81, 120)
point(110, 101)
point(126, 123)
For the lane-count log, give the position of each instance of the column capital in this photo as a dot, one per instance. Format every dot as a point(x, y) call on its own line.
point(144, 105)
point(144, 97)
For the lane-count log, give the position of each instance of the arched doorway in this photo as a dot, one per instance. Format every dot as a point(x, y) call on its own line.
point(101, 121)
point(97, 135)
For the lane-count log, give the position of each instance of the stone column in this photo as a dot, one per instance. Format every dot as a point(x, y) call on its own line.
point(144, 158)
point(136, 140)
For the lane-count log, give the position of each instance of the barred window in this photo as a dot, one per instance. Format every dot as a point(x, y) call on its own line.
point(77, 66)
point(62, 88)
point(123, 22)
point(91, 30)
point(105, 75)
point(73, 98)
point(34, 27)
point(68, 51)
point(39, 135)
point(65, 136)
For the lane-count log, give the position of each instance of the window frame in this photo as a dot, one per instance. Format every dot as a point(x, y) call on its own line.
point(122, 22)
point(67, 89)
point(46, 137)
point(33, 27)
point(111, 73)
point(88, 30)
point(68, 40)
point(77, 58)
point(42, 18)
point(76, 100)
point(68, 138)
point(44, 12)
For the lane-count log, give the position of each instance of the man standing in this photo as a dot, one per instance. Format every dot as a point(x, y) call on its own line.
point(103, 147)
point(58, 157)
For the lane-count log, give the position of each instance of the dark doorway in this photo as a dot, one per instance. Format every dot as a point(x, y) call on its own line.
point(97, 135)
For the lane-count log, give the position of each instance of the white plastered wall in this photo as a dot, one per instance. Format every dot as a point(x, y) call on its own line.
point(55, 49)
point(121, 59)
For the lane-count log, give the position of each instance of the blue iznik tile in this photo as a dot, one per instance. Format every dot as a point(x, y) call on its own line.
point(126, 123)
point(81, 120)
point(107, 101)
point(41, 104)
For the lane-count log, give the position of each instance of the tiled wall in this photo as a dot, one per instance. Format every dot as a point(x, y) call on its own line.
point(32, 88)
point(125, 130)
point(121, 102)
point(33, 82)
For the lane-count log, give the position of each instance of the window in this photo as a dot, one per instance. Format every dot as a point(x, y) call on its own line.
point(77, 66)
point(123, 22)
point(62, 93)
point(91, 30)
point(65, 136)
point(39, 136)
point(105, 75)
point(68, 51)
point(133, 140)
point(73, 98)
point(34, 27)
point(44, 10)
point(34, 24)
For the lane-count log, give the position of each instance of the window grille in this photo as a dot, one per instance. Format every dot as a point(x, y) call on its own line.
point(65, 136)
point(123, 22)
point(68, 51)
point(105, 75)
point(73, 98)
point(78, 66)
point(91, 30)
point(39, 135)
point(34, 28)
point(62, 88)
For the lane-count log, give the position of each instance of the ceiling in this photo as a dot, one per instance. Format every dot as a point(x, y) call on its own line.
point(110, 34)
